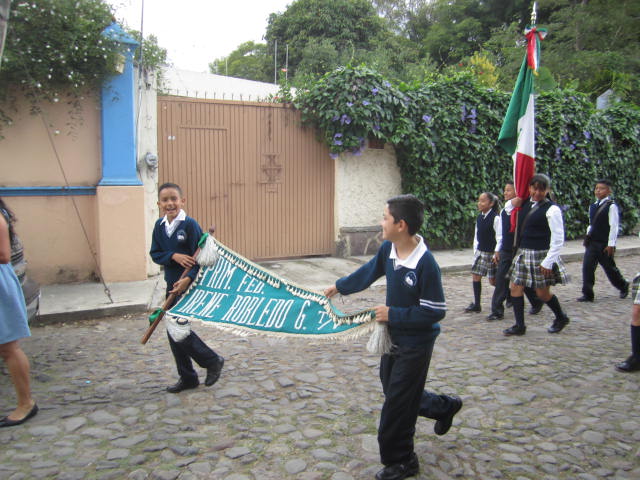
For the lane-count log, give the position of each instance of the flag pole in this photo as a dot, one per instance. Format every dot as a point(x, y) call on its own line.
point(534, 14)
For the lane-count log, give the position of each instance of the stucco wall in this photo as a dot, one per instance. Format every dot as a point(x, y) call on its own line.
point(363, 184)
point(147, 151)
point(50, 227)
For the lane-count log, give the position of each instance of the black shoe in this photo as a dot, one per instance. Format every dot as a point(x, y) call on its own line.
point(182, 385)
point(508, 304)
point(6, 422)
point(558, 324)
point(535, 309)
point(515, 330)
point(494, 316)
point(625, 291)
point(631, 364)
point(473, 308)
point(213, 373)
point(443, 425)
point(398, 471)
point(584, 298)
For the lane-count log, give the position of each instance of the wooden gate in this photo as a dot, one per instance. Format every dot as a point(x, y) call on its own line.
point(252, 171)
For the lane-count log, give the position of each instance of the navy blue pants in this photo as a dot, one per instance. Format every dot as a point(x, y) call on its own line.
point(403, 373)
point(594, 255)
point(192, 347)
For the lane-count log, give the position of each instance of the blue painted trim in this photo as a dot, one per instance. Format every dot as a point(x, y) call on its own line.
point(46, 191)
point(118, 119)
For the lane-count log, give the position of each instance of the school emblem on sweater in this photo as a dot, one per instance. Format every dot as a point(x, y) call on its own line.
point(238, 295)
point(410, 279)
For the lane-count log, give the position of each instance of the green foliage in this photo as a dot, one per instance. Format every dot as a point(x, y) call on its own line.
point(249, 60)
point(445, 130)
point(346, 26)
point(352, 103)
point(55, 49)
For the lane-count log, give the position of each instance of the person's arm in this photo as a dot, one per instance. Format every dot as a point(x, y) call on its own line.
point(158, 254)
point(364, 276)
point(432, 306)
point(497, 227)
point(614, 225)
point(193, 235)
point(556, 225)
point(475, 238)
point(5, 241)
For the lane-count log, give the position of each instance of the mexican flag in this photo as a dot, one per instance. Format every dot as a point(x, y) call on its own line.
point(517, 135)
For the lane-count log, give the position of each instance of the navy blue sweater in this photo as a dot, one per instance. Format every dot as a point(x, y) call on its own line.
point(183, 240)
point(414, 296)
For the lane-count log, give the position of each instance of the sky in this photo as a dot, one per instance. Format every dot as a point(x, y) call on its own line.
point(196, 32)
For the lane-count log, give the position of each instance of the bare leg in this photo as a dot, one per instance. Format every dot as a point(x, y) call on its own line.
point(18, 365)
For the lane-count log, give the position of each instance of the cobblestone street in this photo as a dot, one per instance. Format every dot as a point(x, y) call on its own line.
point(535, 407)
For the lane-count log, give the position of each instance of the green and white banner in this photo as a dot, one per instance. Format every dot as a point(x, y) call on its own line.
point(238, 295)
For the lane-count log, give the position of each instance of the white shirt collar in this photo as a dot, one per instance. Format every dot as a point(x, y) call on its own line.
point(411, 262)
point(600, 202)
point(170, 227)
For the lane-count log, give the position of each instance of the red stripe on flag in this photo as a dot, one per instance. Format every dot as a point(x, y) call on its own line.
point(524, 167)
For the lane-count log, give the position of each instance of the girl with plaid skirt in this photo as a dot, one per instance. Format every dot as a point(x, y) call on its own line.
point(537, 262)
point(484, 244)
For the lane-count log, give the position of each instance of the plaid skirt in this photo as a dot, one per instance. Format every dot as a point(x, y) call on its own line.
point(525, 270)
point(483, 264)
point(635, 289)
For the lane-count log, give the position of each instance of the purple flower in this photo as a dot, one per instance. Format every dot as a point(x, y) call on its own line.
point(572, 146)
point(463, 109)
point(349, 104)
point(587, 135)
point(426, 118)
point(565, 138)
point(345, 119)
point(376, 127)
point(333, 155)
point(387, 84)
point(365, 103)
point(374, 91)
point(336, 118)
point(473, 113)
point(564, 208)
point(558, 153)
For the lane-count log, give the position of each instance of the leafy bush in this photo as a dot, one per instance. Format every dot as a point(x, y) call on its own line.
point(445, 133)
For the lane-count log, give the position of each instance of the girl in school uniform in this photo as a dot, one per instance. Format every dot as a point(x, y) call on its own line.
point(484, 244)
point(537, 261)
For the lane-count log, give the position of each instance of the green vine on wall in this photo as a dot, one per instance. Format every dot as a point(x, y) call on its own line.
point(445, 131)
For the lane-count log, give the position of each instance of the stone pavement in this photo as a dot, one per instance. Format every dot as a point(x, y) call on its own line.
point(535, 407)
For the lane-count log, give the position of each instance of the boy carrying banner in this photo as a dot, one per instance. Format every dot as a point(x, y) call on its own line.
point(414, 307)
point(174, 242)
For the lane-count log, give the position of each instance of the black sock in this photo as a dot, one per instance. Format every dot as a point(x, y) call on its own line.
point(518, 310)
point(555, 307)
point(635, 341)
point(477, 289)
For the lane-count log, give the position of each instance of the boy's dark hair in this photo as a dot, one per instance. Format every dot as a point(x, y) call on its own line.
point(495, 203)
point(408, 208)
point(604, 181)
point(541, 180)
point(170, 185)
point(509, 182)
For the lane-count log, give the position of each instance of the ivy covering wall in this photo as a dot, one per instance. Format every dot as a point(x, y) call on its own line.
point(445, 132)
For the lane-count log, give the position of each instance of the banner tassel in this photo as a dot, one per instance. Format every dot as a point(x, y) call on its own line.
point(380, 341)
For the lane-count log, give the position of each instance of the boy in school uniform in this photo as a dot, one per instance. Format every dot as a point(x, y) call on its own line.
point(632, 363)
point(414, 306)
point(503, 257)
point(600, 243)
point(174, 242)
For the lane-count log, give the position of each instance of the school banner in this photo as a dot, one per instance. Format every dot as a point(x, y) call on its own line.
point(238, 295)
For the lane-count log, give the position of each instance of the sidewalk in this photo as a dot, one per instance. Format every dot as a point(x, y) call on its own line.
point(80, 301)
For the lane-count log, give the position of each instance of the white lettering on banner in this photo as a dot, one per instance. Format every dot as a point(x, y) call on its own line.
point(213, 304)
point(249, 284)
point(198, 299)
point(276, 311)
point(324, 317)
point(221, 277)
point(301, 316)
